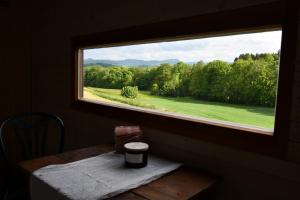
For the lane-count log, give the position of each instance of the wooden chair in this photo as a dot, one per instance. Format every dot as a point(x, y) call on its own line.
point(24, 137)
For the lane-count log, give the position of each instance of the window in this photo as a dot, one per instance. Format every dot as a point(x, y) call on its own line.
point(225, 83)
point(230, 78)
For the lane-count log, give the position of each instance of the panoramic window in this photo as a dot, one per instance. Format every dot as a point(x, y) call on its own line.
point(228, 79)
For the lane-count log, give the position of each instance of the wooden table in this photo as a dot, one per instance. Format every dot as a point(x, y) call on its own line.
point(183, 183)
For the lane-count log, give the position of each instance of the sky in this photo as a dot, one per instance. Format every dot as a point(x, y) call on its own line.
point(193, 50)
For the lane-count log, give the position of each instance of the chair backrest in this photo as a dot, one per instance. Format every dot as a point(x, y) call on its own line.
point(29, 133)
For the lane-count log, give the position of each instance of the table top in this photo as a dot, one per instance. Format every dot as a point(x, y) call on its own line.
point(184, 183)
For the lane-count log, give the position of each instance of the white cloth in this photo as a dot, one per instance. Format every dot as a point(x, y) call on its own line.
point(94, 178)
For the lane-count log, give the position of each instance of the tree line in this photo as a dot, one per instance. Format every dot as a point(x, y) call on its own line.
point(250, 79)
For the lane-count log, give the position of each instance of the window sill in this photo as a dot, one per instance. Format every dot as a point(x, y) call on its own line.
point(238, 137)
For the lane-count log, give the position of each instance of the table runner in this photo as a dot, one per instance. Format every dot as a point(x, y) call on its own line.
point(95, 178)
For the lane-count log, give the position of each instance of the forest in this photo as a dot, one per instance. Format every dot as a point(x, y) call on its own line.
point(251, 79)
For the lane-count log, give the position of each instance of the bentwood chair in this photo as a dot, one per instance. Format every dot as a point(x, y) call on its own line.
point(24, 137)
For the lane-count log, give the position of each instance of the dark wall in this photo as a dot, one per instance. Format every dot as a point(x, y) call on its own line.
point(15, 58)
point(15, 61)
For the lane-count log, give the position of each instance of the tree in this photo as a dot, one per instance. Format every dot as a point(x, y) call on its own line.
point(253, 82)
point(196, 78)
point(167, 80)
point(184, 77)
point(250, 79)
point(209, 81)
point(154, 90)
point(117, 77)
point(142, 77)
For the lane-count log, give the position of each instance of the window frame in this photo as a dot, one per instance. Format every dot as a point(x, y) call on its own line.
point(267, 16)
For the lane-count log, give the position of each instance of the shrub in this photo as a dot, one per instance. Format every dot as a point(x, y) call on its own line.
point(130, 92)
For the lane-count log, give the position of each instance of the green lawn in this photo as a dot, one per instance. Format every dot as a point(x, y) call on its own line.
point(262, 117)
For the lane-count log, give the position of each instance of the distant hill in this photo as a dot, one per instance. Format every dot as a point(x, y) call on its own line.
point(128, 62)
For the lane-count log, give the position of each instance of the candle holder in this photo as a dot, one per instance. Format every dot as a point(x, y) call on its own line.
point(136, 154)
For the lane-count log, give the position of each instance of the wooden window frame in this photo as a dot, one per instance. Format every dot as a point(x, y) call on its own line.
point(265, 16)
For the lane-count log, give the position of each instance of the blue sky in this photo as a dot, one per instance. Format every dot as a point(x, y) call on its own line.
point(206, 49)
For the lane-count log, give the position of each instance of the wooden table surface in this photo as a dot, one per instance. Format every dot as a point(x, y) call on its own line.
point(183, 183)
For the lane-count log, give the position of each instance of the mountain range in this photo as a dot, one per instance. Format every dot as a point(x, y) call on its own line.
point(128, 62)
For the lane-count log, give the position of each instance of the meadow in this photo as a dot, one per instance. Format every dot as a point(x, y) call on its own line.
point(258, 116)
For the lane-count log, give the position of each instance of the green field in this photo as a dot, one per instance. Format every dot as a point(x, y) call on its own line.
point(262, 117)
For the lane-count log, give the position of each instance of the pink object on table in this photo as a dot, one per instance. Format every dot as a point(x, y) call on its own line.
point(125, 134)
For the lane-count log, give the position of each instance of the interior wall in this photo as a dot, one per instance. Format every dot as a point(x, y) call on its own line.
point(245, 175)
point(15, 58)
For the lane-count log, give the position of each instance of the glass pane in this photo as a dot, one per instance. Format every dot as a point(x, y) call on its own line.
point(225, 79)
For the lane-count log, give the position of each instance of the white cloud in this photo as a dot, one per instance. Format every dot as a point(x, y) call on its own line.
point(206, 49)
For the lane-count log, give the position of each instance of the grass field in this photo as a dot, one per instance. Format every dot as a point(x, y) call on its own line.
point(262, 117)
